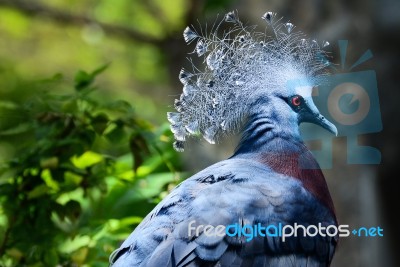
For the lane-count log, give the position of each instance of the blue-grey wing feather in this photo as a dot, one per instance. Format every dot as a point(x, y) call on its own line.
point(232, 191)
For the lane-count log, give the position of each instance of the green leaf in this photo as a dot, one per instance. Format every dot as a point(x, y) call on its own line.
point(38, 191)
point(115, 225)
point(50, 182)
point(84, 79)
point(100, 70)
point(8, 104)
point(132, 199)
point(49, 163)
point(87, 159)
point(120, 105)
point(55, 78)
point(115, 133)
point(51, 257)
point(70, 106)
point(72, 244)
point(100, 122)
point(20, 128)
point(72, 178)
point(79, 256)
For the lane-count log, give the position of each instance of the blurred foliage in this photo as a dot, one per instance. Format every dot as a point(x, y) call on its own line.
point(72, 192)
point(79, 169)
point(29, 41)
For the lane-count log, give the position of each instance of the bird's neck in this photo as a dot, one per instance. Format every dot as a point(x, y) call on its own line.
point(284, 152)
point(268, 134)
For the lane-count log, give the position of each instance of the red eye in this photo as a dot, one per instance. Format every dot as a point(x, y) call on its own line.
point(296, 101)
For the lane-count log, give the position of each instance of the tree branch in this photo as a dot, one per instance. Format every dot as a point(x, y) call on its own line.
point(31, 8)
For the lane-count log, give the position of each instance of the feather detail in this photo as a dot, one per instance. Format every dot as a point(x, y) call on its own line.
point(189, 35)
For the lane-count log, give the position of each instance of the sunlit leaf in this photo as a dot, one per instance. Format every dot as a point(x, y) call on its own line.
point(72, 244)
point(72, 178)
point(50, 182)
point(114, 224)
point(87, 159)
point(76, 194)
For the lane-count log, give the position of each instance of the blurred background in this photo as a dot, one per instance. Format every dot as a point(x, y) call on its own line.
point(85, 150)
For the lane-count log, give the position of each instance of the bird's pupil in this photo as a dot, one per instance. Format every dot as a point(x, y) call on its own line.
point(296, 101)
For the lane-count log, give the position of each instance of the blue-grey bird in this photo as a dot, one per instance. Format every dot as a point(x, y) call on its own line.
point(232, 213)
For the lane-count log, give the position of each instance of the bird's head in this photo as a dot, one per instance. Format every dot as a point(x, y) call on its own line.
point(289, 106)
point(248, 73)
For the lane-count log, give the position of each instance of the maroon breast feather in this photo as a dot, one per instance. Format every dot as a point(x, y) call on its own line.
point(302, 166)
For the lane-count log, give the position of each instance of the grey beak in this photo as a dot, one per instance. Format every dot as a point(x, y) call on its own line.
point(324, 123)
point(311, 114)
